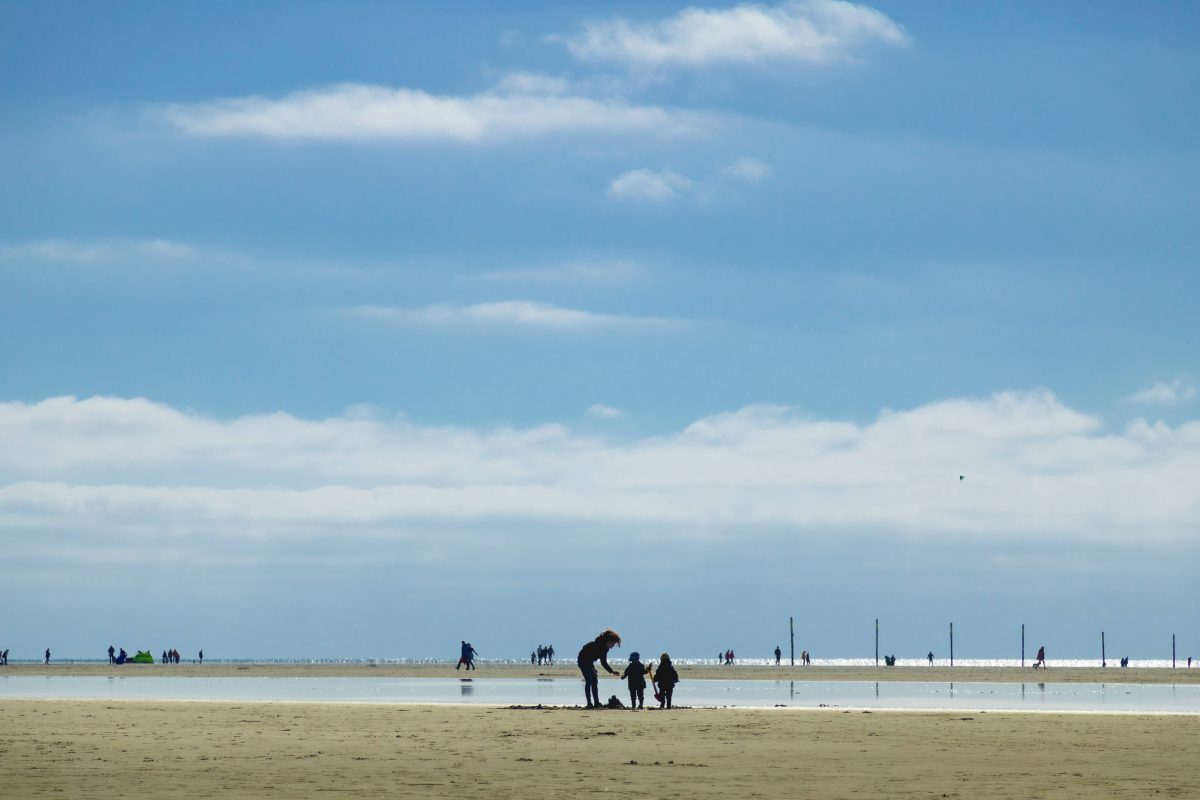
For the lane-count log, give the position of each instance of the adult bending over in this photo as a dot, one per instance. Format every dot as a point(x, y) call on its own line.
point(596, 649)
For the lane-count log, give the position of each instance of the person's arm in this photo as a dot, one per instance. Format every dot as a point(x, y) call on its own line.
point(604, 661)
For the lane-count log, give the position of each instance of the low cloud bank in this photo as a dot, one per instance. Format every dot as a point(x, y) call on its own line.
point(1030, 466)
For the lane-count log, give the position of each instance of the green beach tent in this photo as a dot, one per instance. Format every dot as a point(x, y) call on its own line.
point(142, 657)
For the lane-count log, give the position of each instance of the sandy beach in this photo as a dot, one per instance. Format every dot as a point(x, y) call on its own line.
point(569, 670)
point(102, 749)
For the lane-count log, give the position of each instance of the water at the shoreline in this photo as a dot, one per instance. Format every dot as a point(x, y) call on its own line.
point(569, 691)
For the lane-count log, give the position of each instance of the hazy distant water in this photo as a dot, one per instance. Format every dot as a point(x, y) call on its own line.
point(1113, 663)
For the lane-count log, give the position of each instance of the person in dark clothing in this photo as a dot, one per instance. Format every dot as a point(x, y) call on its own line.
point(778, 654)
point(588, 654)
point(111, 659)
point(635, 673)
point(667, 677)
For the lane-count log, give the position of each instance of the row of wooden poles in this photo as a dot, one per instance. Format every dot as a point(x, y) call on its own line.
point(1103, 655)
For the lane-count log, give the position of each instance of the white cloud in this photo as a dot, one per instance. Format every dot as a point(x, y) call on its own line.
point(519, 313)
point(602, 411)
point(647, 185)
point(662, 186)
point(813, 31)
point(1165, 394)
point(112, 468)
point(523, 105)
point(747, 170)
point(95, 251)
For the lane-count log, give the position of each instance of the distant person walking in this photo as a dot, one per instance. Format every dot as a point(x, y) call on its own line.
point(201, 656)
point(1041, 658)
point(778, 655)
point(111, 650)
point(597, 649)
point(464, 657)
point(47, 661)
point(931, 658)
point(667, 677)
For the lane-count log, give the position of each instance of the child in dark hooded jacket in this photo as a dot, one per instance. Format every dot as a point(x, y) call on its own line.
point(667, 677)
point(635, 673)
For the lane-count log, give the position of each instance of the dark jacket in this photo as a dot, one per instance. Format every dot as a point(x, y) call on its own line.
point(666, 676)
point(593, 650)
point(636, 673)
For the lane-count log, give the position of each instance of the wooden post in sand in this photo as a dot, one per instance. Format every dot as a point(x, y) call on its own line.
point(1172, 651)
point(877, 641)
point(792, 628)
point(1022, 644)
point(1103, 660)
point(952, 644)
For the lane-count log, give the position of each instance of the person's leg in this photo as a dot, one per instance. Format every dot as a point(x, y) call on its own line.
point(591, 685)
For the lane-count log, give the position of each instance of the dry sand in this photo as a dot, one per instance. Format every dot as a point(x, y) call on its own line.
point(102, 749)
point(569, 670)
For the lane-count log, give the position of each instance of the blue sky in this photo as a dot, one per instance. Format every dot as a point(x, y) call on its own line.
point(403, 323)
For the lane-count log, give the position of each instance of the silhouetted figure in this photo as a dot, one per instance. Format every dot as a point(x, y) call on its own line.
point(533, 657)
point(122, 657)
point(4, 659)
point(778, 655)
point(201, 656)
point(110, 654)
point(166, 658)
point(550, 654)
point(931, 658)
point(667, 678)
point(47, 661)
point(635, 674)
point(597, 649)
point(463, 657)
point(1041, 658)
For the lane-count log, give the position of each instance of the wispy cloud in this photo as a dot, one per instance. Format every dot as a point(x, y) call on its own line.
point(646, 185)
point(119, 467)
point(95, 251)
point(663, 186)
point(601, 411)
point(512, 313)
point(522, 105)
point(1174, 393)
point(813, 31)
point(747, 170)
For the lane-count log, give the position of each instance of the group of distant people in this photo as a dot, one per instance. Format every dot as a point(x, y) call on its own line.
point(663, 678)
point(804, 657)
point(726, 658)
point(168, 656)
point(544, 654)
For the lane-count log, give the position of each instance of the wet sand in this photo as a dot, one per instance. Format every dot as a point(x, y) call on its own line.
point(940, 674)
point(102, 749)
